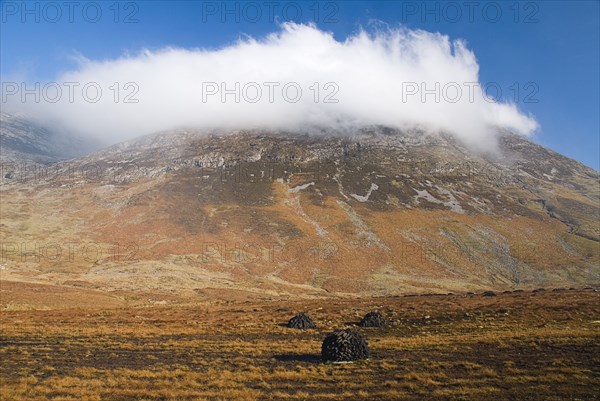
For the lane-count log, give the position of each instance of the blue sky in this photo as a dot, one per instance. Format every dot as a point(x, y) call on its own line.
point(544, 56)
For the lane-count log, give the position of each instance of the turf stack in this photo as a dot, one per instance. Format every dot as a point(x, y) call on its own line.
point(372, 319)
point(301, 321)
point(344, 346)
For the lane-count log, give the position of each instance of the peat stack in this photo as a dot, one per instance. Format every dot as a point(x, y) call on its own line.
point(344, 346)
point(372, 319)
point(301, 321)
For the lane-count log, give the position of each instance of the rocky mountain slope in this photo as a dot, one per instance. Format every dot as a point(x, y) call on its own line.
point(23, 140)
point(304, 214)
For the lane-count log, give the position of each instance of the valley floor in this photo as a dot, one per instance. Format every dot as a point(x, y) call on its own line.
point(542, 345)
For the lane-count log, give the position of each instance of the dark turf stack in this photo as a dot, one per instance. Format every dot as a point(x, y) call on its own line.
point(301, 321)
point(344, 346)
point(372, 319)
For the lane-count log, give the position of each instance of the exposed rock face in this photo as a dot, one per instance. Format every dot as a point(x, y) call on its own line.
point(344, 346)
point(372, 319)
point(489, 294)
point(301, 321)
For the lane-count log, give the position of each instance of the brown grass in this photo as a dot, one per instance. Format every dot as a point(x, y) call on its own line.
point(517, 346)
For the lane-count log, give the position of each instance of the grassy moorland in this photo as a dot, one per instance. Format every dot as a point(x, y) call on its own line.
point(542, 345)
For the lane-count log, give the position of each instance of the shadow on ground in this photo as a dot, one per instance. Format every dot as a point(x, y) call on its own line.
point(309, 358)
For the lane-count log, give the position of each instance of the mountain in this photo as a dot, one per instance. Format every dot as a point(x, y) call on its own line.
point(378, 212)
point(23, 140)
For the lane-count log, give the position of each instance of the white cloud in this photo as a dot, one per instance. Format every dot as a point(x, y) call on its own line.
point(378, 78)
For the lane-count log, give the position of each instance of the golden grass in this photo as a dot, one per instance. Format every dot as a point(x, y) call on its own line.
point(466, 349)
